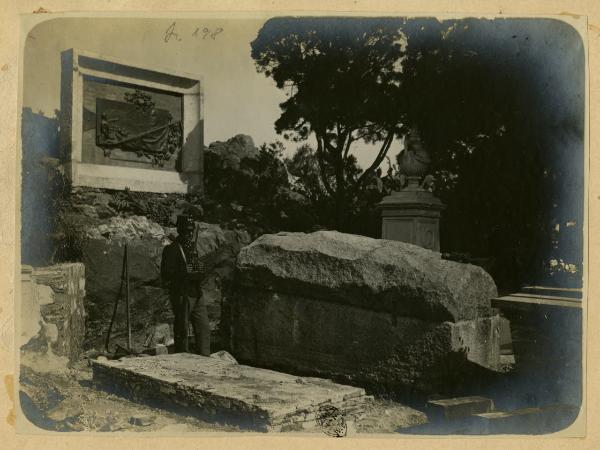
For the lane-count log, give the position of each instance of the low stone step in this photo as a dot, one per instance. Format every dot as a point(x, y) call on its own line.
point(226, 392)
point(458, 407)
point(552, 291)
point(531, 300)
point(539, 420)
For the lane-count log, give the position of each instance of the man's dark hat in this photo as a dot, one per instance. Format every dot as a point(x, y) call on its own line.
point(184, 222)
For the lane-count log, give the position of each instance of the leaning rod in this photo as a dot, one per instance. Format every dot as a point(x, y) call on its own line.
point(127, 300)
point(114, 314)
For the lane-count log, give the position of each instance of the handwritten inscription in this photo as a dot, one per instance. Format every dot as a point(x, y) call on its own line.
point(207, 32)
point(204, 33)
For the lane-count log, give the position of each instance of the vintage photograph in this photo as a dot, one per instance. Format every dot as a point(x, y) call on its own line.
point(333, 225)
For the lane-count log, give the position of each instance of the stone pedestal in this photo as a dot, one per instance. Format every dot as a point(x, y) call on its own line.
point(413, 216)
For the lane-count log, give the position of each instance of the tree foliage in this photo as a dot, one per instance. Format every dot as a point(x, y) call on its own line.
point(360, 208)
point(343, 79)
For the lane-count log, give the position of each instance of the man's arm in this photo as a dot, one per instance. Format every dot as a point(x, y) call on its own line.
point(168, 266)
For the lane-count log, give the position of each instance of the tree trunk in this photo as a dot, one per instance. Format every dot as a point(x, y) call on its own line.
point(340, 209)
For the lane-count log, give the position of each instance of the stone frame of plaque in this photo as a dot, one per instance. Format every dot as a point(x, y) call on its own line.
point(130, 127)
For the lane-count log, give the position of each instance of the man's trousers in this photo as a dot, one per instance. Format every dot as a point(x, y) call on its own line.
point(188, 306)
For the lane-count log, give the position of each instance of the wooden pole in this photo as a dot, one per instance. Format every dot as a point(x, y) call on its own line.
point(127, 300)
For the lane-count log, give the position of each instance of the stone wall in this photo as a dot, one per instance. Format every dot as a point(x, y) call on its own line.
point(52, 309)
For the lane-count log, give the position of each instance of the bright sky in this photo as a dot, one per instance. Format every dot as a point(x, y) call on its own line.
point(237, 98)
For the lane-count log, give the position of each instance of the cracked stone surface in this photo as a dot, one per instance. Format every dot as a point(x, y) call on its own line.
point(385, 315)
point(227, 392)
point(376, 274)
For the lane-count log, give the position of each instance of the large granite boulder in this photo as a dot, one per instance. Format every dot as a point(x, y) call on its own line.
point(369, 273)
point(234, 150)
point(384, 314)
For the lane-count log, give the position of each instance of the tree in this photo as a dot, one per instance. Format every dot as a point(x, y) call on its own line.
point(342, 77)
point(303, 166)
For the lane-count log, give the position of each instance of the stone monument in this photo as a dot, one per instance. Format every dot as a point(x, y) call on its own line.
point(412, 214)
point(382, 314)
point(130, 127)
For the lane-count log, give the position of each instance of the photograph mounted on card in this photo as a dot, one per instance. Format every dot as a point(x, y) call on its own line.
point(339, 225)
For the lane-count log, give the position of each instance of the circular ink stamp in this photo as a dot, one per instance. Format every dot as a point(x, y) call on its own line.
point(332, 421)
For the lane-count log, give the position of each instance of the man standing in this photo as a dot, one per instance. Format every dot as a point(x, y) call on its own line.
point(181, 273)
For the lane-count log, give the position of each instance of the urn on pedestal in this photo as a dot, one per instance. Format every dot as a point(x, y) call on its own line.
point(412, 214)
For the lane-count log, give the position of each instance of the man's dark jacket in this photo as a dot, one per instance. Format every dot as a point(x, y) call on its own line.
point(173, 267)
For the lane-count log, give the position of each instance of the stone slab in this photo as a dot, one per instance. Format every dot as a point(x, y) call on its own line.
point(132, 178)
point(553, 291)
point(539, 420)
point(459, 407)
point(223, 391)
point(529, 300)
